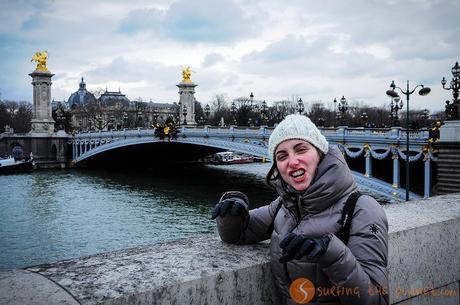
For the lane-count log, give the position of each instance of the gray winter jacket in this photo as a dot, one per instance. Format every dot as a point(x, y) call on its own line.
point(357, 269)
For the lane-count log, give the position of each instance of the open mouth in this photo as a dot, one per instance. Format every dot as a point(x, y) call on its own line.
point(297, 173)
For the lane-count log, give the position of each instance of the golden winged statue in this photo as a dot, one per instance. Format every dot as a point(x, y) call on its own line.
point(40, 58)
point(186, 74)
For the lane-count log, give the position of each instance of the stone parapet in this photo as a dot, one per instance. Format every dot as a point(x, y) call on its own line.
point(424, 267)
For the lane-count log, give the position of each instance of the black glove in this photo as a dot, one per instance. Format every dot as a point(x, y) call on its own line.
point(233, 203)
point(296, 246)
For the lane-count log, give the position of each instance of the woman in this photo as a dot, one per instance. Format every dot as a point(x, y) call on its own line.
point(319, 239)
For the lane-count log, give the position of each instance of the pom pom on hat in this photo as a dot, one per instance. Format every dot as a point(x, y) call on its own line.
point(296, 126)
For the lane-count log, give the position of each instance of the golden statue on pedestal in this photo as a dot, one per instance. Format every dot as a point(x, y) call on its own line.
point(186, 74)
point(40, 58)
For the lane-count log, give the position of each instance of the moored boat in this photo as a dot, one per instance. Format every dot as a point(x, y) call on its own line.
point(229, 157)
point(11, 165)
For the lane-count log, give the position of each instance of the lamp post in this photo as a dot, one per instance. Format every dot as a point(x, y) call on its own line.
point(139, 120)
point(207, 111)
point(184, 114)
point(343, 108)
point(233, 110)
point(300, 106)
point(425, 114)
point(263, 111)
point(112, 122)
point(453, 109)
point(392, 93)
point(125, 120)
point(364, 118)
point(335, 112)
point(60, 117)
point(395, 105)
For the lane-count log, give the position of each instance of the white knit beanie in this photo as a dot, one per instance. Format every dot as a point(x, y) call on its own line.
point(296, 126)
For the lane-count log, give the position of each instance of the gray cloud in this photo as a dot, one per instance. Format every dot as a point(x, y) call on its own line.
point(297, 56)
point(192, 21)
point(149, 19)
point(211, 59)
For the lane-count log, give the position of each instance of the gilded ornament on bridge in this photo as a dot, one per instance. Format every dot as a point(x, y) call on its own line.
point(40, 58)
point(367, 148)
point(166, 130)
point(186, 75)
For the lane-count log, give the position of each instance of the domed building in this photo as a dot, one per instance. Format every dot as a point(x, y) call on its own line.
point(112, 98)
point(113, 110)
point(80, 97)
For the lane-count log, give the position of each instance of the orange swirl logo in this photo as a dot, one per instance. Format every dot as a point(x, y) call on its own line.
point(302, 290)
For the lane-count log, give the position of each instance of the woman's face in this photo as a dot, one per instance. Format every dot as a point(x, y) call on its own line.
point(296, 161)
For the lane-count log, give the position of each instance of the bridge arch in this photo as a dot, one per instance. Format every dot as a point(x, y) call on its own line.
point(216, 144)
point(371, 144)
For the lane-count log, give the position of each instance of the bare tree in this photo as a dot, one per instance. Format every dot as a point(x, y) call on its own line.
point(17, 115)
point(219, 102)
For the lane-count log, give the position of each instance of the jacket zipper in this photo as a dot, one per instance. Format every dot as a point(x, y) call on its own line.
point(297, 217)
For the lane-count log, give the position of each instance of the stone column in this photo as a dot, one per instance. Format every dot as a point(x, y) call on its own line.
point(42, 121)
point(187, 99)
point(427, 177)
point(395, 158)
point(367, 156)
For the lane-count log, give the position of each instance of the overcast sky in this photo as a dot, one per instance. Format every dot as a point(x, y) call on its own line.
point(316, 50)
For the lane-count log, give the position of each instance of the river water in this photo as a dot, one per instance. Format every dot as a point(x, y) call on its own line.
point(48, 216)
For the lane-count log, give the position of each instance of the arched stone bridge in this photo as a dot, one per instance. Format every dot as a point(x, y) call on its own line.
point(373, 143)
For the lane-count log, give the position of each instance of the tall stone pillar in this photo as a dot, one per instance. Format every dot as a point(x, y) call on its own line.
point(42, 121)
point(187, 98)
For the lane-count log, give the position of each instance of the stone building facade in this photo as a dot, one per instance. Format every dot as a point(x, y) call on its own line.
point(113, 110)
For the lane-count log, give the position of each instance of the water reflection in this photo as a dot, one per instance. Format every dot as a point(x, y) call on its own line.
point(54, 215)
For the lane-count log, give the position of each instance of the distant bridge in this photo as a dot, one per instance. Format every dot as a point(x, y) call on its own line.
point(353, 142)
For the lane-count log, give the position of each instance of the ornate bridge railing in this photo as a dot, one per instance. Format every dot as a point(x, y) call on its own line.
point(353, 142)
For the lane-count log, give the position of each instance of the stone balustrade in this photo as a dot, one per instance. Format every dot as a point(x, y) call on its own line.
point(424, 268)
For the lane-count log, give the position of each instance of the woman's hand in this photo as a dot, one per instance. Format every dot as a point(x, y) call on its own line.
point(296, 246)
point(233, 203)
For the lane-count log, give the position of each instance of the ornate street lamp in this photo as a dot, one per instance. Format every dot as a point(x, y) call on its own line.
point(343, 108)
point(139, 122)
point(179, 107)
point(364, 118)
point(125, 120)
point(453, 108)
point(184, 114)
point(233, 110)
point(60, 117)
point(425, 114)
point(207, 111)
point(300, 106)
point(112, 121)
point(335, 112)
point(395, 105)
point(263, 111)
point(392, 93)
